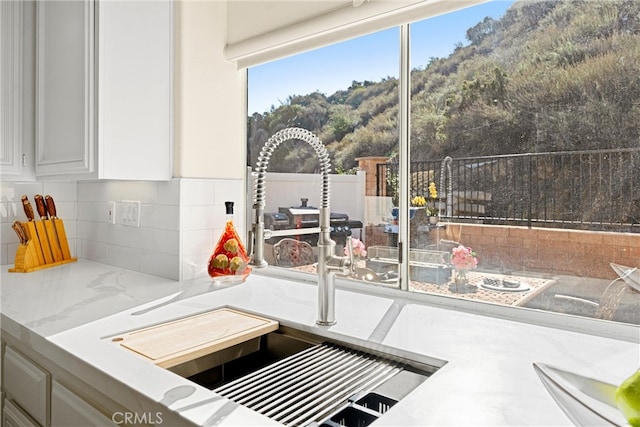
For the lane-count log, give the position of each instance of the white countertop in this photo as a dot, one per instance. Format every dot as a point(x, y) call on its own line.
point(65, 312)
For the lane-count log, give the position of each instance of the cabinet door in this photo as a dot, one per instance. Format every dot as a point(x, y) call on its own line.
point(65, 111)
point(11, 72)
point(69, 410)
point(135, 89)
point(26, 384)
point(12, 416)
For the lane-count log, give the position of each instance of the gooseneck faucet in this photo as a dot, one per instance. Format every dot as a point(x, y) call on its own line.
point(328, 263)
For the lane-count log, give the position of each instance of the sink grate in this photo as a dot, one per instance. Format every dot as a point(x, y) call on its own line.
point(309, 385)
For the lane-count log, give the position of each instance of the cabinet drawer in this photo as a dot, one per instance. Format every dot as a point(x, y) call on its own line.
point(26, 384)
point(70, 410)
point(12, 416)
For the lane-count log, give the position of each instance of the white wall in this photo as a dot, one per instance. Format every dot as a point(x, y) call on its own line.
point(286, 189)
point(210, 118)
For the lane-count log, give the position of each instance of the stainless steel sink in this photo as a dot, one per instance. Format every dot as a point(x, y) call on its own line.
point(300, 379)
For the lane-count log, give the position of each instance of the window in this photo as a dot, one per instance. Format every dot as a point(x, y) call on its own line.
point(523, 153)
point(347, 95)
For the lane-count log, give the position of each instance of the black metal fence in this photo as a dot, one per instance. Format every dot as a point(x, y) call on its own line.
point(591, 190)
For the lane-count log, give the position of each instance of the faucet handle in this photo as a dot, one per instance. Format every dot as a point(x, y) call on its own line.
point(350, 255)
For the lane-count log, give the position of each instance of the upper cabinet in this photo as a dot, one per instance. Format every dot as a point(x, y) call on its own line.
point(16, 90)
point(104, 89)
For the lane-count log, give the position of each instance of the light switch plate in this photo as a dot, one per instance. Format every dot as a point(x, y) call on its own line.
point(128, 213)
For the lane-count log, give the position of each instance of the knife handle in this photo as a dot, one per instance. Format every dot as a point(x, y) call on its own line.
point(40, 206)
point(28, 210)
point(22, 235)
point(51, 206)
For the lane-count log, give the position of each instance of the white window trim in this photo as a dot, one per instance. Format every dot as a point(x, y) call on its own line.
point(333, 27)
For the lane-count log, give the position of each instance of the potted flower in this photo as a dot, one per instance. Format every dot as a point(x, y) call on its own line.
point(463, 259)
point(431, 208)
point(359, 249)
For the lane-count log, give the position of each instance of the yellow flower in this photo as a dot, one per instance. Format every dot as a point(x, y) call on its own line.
point(433, 193)
point(418, 201)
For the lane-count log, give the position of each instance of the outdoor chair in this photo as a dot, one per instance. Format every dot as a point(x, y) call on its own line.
point(293, 253)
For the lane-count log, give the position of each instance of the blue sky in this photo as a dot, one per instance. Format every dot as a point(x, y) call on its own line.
point(371, 57)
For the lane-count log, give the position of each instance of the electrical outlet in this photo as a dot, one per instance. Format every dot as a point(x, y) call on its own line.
point(128, 213)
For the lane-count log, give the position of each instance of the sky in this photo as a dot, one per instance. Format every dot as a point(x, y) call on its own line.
point(373, 57)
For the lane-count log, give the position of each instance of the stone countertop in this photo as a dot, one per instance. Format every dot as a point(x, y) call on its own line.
point(67, 314)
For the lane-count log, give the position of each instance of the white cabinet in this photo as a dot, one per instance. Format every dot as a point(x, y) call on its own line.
point(65, 85)
point(16, 90)
point(104, 89)
point(12, 416)
point(70, 410)
point(26, 385)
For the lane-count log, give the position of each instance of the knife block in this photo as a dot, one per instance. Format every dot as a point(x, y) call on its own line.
point(45, 248)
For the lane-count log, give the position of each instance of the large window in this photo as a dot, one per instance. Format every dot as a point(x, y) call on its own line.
point(523, 153)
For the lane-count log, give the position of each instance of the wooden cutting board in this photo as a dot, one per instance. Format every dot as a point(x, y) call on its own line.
point(172, 343)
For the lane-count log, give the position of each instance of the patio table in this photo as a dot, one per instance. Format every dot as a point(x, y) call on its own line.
point(475, 290)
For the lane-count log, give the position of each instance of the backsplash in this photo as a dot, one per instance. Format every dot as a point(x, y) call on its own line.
point(180, 221)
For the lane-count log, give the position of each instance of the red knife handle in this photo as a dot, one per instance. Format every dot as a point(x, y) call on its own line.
point(51, 206)
point(28, 210)
point(40, 206)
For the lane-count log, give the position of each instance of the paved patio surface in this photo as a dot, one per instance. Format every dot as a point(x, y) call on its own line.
point(571, 295)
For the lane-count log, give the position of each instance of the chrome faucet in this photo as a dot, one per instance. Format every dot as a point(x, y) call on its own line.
point(328, 263)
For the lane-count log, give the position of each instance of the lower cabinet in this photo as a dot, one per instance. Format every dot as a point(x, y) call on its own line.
point(38, 393)
point(13, 416)
point(26, 385)
point(70, 410)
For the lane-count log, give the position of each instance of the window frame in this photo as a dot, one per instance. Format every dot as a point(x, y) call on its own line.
point(574, 323)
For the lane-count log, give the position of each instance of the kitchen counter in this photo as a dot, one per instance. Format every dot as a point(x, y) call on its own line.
point(64, 313)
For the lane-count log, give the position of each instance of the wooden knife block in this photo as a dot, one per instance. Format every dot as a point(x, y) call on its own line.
point(47, 246)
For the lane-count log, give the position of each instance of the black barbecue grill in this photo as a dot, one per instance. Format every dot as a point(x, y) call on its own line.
point(304, 216)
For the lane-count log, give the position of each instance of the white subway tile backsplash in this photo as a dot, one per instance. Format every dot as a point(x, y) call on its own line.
point(70, 228)
point(91, 250)
point(145, 239)
point(11, 211)
point(169, 192)
point(198, 241)
point(180, 221)
point(197, 192)
point(168, 242)
point(89, 211)
point(66, 211)
point(122, 256)
point(165, 217)
point(92, 191)
point(194, 265)
point(98, 232)
point(229, 190)
point(7, 253)
point(201, 217)
point(159, 264)
point(13, 191)
point(115, 234)
point(60, 191)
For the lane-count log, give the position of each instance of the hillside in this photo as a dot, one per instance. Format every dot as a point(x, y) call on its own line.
point(547, 76)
